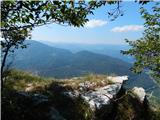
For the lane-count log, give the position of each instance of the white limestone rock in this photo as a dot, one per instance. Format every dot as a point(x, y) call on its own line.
point(98, 96)
point(118, 79)
point(101, 96)
point(140, 92)
point(29, 87)
point(72, 94)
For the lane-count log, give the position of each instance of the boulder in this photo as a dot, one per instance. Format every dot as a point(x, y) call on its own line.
point(140, 92)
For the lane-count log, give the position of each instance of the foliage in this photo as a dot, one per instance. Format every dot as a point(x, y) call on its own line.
point(146, 50)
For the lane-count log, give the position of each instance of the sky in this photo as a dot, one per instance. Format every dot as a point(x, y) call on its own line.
point(99, 29)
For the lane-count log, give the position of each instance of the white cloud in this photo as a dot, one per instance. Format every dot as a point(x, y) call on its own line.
point(95, 23)
point(127, 28)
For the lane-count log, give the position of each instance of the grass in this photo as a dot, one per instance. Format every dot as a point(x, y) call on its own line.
point(94, 80)
point(22, 81)
point(19, 81)
point(155, 103)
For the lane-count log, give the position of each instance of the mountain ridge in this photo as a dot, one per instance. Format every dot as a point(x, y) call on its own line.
point(112, 50)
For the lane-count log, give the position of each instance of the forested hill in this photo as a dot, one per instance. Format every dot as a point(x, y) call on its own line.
point(112, 50)
point(49, 61)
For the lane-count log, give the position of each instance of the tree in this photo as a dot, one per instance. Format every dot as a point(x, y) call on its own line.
point(146, 50)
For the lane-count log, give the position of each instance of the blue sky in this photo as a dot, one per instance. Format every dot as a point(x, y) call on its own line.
point(99, 30)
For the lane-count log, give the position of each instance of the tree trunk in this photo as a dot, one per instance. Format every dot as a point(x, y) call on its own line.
point(3, 65)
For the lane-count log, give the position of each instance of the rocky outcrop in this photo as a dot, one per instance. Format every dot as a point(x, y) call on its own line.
point(93, 98)
point(97, 97)
point(101, 96)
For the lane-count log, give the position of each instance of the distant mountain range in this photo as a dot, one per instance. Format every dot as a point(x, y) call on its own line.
point(105, 49)
point(50, 61)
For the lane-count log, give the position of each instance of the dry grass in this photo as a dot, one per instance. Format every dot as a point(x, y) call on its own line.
point(23, 81)
point(93, 80)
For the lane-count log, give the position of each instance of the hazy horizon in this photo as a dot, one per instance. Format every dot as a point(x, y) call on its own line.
point(78, 43)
